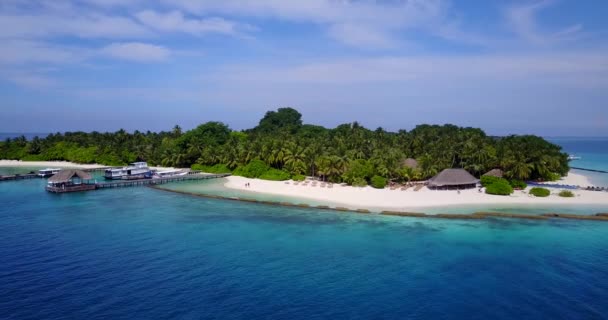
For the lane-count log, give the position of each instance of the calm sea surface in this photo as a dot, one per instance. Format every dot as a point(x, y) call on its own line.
point(593, 153)
point(139, 253)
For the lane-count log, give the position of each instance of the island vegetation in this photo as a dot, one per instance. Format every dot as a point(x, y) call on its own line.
point(540, 192)
point(282, 147)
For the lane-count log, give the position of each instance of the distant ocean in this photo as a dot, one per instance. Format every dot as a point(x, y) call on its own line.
point(27, 135)
point(593, 153)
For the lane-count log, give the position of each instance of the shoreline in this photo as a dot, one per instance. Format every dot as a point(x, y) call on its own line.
point(397, 200)
point(402, 214)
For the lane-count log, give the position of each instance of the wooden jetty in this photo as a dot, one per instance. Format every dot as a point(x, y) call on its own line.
point(18, 176)
point(147, 182)
point(590, 170)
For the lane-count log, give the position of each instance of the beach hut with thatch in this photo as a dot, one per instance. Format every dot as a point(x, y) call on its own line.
point(409, 163)
point(453, 179)
point(70, 181)
point(495, 173)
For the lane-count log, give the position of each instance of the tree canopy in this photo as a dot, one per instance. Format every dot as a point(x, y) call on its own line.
point(348, 153)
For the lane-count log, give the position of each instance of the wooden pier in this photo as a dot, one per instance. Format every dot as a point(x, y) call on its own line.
point(18, 177)
point(590, 170)
point(147, 182)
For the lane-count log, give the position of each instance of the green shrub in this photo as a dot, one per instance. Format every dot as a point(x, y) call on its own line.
point(198, 167)
point(566, 194)
point(500, 188)
point(488, 180)
point(275, 175)
point(552, 176)
point(379, 182)
point(253, 169)
point(359, 182)
point(298, 177)
point(518, 184)
point(540, 192)
point(218, 168)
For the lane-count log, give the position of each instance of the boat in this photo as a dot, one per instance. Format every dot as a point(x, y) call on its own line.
point(136, 170)
point(573, 157)
point(169, 173)
point(44, 173)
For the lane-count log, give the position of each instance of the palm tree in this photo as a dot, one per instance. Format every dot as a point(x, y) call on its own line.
point(295, 159)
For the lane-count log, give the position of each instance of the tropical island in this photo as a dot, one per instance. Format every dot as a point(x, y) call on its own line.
point(283, 155)
point(288, 148)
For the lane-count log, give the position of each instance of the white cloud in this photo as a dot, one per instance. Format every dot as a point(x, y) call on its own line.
point(523, 21)
point(356, 23)
point(571, 69)
point(83, 26)
point(175, 21)
point(16, 52)
point(137, 51)
point(31, 80)
point(362, 36)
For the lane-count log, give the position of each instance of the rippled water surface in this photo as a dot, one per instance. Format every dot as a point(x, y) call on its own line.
point(140, 253)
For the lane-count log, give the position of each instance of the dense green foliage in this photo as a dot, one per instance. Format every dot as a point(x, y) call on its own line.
point(348, 153)
point(499, 187)
point(218, 168)
point(254, 169)
point(298, 177)
point(566, 194)
point(379, 182)
point(540, 192)
point(518, 184)
point(488, 180)
point(359, 182)
point(275, 175)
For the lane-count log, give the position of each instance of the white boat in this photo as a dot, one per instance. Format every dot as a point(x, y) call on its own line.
point(573, 157)
point(47, 172)
point(170, 173)
point(136, 170)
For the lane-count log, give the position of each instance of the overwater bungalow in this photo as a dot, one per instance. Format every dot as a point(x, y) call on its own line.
point(453, 179)
point(70, 181)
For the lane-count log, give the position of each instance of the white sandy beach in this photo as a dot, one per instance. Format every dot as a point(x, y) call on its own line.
point(48, 164)
point(58, 164)
point(573, 179)
point(386, 199)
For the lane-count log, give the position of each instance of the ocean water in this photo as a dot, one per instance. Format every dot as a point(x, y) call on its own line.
point(27, 135)
point(593, 153)
point(140, 253)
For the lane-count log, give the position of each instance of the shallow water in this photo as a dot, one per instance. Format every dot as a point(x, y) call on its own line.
point(139, 253)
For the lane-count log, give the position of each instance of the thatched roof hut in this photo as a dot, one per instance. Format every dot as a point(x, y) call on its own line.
point(410, 163)
point(495, 173)
point(67, 175)
point(453, 178)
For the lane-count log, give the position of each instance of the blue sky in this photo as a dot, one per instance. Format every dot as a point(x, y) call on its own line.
point(537, 66)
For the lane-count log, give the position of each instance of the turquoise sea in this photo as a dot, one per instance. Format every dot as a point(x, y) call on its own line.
point(593, 153)
point(140, 253)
